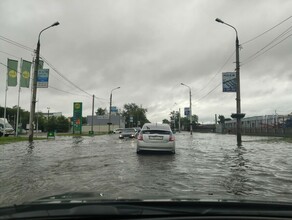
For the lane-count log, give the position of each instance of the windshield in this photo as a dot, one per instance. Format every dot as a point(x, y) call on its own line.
point(215, 73)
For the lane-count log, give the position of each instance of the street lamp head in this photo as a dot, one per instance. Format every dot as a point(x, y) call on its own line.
point(55, 24)
point(182, 84)
point(219, 20)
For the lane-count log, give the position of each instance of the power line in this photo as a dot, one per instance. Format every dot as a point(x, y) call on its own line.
point(258, 53)
point(266, 31)
point(209, 92)
point(16, 44)
point(281, 35)
point(67, 92)
point(10, 54)
point(219, 71)
point(65, 78)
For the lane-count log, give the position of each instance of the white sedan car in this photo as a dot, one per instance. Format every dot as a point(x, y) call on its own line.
point(156, 137)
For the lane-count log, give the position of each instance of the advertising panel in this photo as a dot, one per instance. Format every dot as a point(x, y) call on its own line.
point(229, 82)
point(77, 117)
point(187, 111)
point(43, 78)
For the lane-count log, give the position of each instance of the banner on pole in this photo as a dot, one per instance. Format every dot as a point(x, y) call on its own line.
point(12, 72)
point(25, 74)
point(229, 82)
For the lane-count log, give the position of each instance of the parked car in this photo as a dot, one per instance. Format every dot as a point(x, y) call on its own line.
point(127, 133)
point(118, 130)
point(8, 128)
point(156, 137)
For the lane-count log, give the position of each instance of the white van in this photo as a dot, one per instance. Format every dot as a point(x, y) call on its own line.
point(8, 128)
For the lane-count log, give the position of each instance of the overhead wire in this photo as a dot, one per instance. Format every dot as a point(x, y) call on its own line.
point(254, 55)
point(10, 54)
point(32, 50)
point(64, 77)
point(248, 41)
point(266, 48)
point(68, 92)
point(16, 43)
point(217, 72)
point(67, 80)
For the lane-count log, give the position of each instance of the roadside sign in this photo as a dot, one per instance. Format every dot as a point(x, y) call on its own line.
point(51, 134)
point(229, 82)
point(43, 78)
point(114, 109)
point(77, 117)
point(187, 111)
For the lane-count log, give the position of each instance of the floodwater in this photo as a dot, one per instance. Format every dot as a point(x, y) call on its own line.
point(205, 166)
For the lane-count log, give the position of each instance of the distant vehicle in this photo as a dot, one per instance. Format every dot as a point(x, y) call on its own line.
point(156, 137)
point(118, 130)
point(128, 133)
point(8, 128)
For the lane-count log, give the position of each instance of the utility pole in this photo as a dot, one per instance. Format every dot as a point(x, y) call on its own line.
point(190, 113)
point(34, 85)
point(238, 115)
point(110, 110)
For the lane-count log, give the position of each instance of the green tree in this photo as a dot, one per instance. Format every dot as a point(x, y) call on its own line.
point(11, 115)
point(185, 122)
point(165, 121)
point(100, 111)
point(59, 124)
point(137, 113)
point(63, 124)
point(221, 119)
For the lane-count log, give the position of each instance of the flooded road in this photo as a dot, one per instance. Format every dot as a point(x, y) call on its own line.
point(204, 166)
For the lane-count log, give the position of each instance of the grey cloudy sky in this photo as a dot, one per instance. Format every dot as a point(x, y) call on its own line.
point(148, 47)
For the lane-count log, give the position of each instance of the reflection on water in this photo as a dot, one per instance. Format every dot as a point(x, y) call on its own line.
point(236, 181)
point(30, 147)
point(205, 165)
point(77, 141)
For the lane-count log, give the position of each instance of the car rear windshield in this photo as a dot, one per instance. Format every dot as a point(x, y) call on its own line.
point(129, 130)
point(156, 132)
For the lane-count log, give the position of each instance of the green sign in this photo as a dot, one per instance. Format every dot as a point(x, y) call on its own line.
point(77, 117)
point(51, 134)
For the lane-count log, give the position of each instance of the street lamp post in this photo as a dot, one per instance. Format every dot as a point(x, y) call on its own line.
point(110, 110)
point(34, 85)
point(238, 115)
point(190, 113)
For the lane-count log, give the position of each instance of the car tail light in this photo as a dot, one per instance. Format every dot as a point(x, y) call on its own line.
point(171, 138)
point(140, 137)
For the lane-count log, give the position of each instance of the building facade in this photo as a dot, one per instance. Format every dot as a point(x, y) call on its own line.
point(100, 123)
